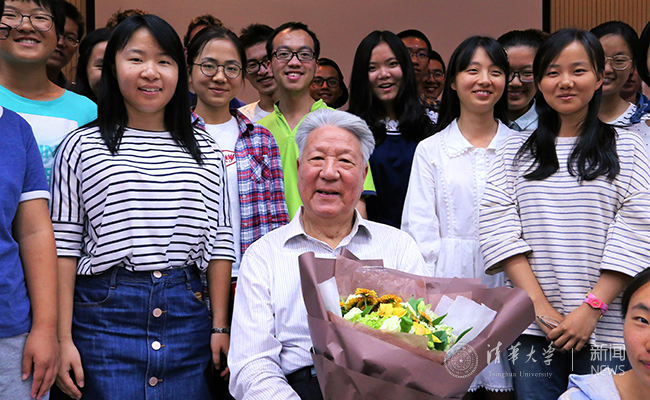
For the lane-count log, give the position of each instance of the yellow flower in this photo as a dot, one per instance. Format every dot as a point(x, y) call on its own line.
point(390, 298)
point(420, 329)
point(366, 292)
point(422, 313)
point(385, 310)
point(399, 311)
point(435, 339)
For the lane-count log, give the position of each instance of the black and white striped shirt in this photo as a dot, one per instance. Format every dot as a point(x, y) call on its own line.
point(570, 230)
point(149, 207)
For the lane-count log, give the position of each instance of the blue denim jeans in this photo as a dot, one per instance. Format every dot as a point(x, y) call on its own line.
point(539, 373)
point(142, 335)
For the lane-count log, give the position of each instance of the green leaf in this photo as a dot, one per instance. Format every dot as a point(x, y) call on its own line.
point(367, 311)
point(463, 334)
point(442, 335)
point(438, 320)
point(414, 303)
point(405, 324)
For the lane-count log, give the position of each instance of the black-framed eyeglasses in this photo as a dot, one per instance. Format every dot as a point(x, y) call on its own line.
point(524, 76)
point(40, 21)
point(331, 82)
point(71, 40)
point(253, 67)
point(420, 55)
point(287, 55)
point(619, 62)
point(209, 68)
point(436, 74)
point(4, 31)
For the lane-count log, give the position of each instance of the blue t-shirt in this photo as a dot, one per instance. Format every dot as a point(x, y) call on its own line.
point(21, 178)
point(51, 120)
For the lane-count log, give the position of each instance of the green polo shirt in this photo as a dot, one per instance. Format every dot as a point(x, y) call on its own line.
point(286, 139)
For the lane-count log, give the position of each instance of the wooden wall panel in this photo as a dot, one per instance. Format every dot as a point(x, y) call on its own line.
point(586, 14)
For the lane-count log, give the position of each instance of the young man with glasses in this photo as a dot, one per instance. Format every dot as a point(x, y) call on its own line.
point(258, 71)
point(67, 45)
point(293, 53)
point(419, 47)
point(328, 84)
point(52, 112)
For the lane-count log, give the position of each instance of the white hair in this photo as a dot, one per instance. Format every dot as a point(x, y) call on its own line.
point(341, 120)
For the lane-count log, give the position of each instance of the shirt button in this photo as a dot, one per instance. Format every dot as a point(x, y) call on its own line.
point(157, 312)
point(155, 345)
point(153, 381)
point(157, 274)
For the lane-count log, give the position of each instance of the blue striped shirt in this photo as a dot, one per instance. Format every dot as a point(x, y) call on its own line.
point(570, 231)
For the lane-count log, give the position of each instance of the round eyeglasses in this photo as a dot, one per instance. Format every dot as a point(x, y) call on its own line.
point(287, 55)
point(4, 31)
point(41, 22)
point(524, 76)
point(619, 62)
point(209, 68)
point(419, 55)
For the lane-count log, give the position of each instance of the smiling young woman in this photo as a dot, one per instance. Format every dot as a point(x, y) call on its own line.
point(448, 176)
point(128, 275)
point(384, 93)
point(565, 214)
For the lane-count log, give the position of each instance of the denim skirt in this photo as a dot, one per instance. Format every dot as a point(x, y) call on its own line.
point(142, 335)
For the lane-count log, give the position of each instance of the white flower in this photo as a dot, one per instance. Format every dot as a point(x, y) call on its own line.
point(353, 314)
point(391, 324)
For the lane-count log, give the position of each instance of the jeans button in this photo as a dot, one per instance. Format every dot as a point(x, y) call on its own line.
point(157, 312)
point(156, 345)
point(157, 274)
point(153, 381)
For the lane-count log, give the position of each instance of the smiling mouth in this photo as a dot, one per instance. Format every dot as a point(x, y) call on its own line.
point(327, 193)
point(150, 90)
point(30, 41)
point(483, 92)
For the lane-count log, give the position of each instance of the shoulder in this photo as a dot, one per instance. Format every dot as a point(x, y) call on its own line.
point(79, 101)
point(514, 140)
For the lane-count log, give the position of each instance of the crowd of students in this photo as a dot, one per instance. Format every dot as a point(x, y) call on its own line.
point(131, 192)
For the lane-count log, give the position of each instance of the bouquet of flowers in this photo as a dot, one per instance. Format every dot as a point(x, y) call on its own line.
point(364, 348)
point(389, 313)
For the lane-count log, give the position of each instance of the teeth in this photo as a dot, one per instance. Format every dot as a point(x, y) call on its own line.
point(28, 41)
point(150, 90)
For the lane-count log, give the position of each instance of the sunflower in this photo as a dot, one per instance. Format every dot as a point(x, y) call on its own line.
point(389, 299)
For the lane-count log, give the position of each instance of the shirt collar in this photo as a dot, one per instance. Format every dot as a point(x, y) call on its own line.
point(455, 143)
point(525, 121)
point(295, 229)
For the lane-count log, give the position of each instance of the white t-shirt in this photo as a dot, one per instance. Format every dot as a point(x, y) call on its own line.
point(226, 136)
point(253, 111)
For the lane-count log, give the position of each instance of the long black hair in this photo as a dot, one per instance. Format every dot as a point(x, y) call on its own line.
point(641, 55)
point(82, 86)
point(414, 124)
point(625, 31)
point(459, 61)
point(112, 116)
point(594, 153)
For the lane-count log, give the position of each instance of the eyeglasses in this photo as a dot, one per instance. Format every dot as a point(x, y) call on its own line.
point(253, 67)
point(208, 68)
point(286, 55)
point(524, 76)
point(71, 39)
point(4, 31)
point(419, 54)
point(436, 74)
point(619, 63)
point(40, 22)
point(331, 82)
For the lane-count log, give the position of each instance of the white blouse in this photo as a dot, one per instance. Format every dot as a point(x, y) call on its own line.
point(441, 210)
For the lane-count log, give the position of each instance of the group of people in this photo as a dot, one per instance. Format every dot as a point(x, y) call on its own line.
point(141, 199)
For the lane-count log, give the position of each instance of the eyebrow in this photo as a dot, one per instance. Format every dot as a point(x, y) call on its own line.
point(302, 48)
point(138, 51)
point(640, 306)
point(572, 65)
point(214, 60)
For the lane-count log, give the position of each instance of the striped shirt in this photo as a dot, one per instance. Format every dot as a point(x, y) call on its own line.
point(570, 230)
point(270, 335)
point(149, 207)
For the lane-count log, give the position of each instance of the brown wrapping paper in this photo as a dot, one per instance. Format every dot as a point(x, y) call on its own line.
point(352, 364)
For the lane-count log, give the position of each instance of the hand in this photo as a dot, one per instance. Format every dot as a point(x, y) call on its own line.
point(70, 361)
point(220, 343)
point(546, 309)
point(41, 351)
point(574, 331)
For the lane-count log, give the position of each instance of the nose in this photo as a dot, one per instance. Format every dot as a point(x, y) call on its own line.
point(294, 60)
point(150, 72)
point(484, 78)
point(329, 171)
point(25, 26)
point(220, 76)
point(565, 82)
point(608, 65)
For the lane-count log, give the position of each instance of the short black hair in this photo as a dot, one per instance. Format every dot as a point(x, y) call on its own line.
point(635, 284)
point(621, 29)
point(57, 10)
point(416, 34)
point(529, 38)
point(207, 20)
point(254, 34)
point(73, 13)
point(327, 62)
point(292, 26)
point(434, 55)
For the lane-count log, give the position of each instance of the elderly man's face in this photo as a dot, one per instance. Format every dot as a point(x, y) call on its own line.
point(331, 173)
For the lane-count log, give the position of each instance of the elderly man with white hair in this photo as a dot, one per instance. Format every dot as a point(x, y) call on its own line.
point(270, 344)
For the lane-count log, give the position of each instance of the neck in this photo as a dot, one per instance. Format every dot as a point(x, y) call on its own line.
point(611, 107)
point(268, 100)
point(146, 121)
point(570, 124)
point(514, 115)
point(294, 106)
point(629, 387)
point(390, 111)
point(212, 115)
point(53, 75)
point(478, 129)
point(330, 231)
point(28, 80)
